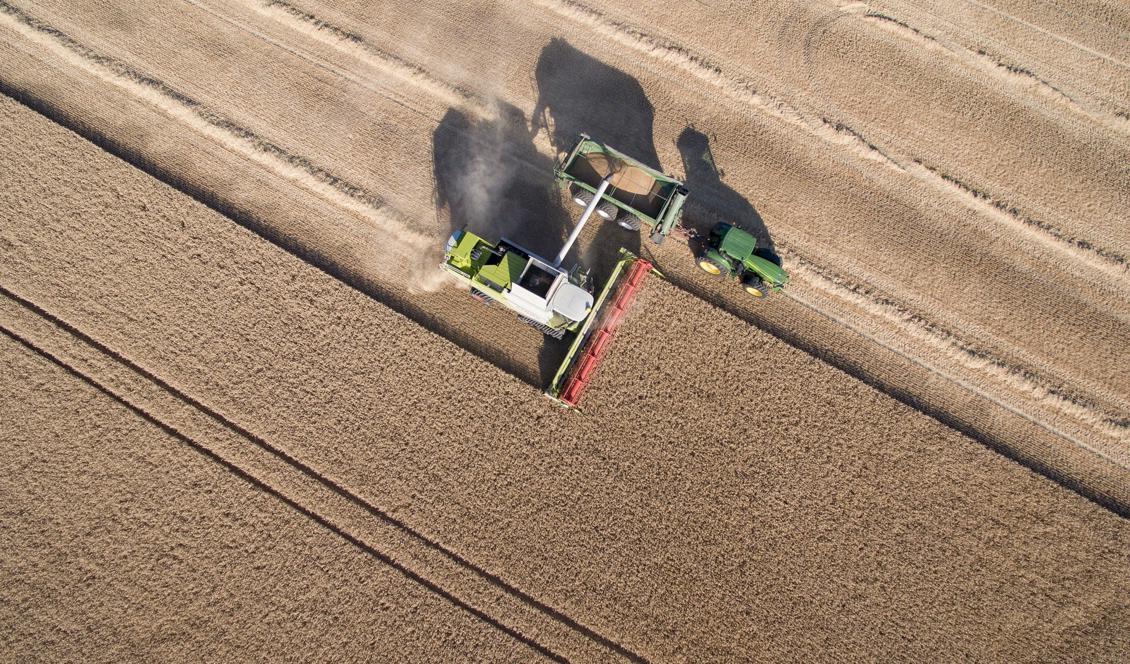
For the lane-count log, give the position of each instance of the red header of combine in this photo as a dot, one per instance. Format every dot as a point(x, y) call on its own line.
point(602, 337)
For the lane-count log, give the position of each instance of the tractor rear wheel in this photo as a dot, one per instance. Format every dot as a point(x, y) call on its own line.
point(713, 263)
point(580, 196)
point(629, 221)
point(755, 286)
point(607, 210)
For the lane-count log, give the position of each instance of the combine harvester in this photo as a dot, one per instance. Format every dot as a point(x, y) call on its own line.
point(560, 301)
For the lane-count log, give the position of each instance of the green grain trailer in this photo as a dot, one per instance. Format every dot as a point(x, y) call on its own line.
point(637, 195)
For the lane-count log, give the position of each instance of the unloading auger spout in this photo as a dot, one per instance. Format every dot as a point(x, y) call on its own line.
point(589, 209)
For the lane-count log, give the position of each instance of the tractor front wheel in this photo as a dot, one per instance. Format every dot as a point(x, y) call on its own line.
point(713, 263)
point(755, 286)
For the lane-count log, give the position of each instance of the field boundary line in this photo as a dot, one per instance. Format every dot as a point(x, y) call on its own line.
point(1011, 378)
point(839, 320)
point(457, 560)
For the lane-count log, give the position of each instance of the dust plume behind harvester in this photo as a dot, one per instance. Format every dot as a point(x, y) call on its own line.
point(559, 299)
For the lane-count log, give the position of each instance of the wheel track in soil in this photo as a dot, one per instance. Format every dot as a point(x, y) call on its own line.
point(980, 59)
point(1024, 381)
point(304, 488)
point(1049, 33)
point(313, 175)
point(833, 132)
point(970, 39)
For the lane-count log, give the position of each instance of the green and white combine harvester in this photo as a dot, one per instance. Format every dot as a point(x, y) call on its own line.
point(559, 300)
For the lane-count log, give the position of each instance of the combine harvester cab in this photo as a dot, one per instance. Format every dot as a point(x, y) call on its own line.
point(543, 295)
point(637, 195)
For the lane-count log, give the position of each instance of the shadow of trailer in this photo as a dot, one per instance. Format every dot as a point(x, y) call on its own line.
point(637, 195)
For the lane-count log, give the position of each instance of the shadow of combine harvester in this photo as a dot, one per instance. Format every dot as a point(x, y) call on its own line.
point(498, 192)
point(492, 180)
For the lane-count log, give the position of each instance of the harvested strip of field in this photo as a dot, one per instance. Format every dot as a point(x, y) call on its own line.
point(729, 499)
point(854, 235)
point(912, 103)
point(361, 119)
point(1080, 62)
point(122, 542)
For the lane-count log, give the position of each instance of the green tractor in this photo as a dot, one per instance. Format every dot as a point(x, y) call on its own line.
point(731, 252)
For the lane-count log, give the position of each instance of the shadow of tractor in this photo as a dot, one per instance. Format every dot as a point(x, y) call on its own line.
point(704, 179)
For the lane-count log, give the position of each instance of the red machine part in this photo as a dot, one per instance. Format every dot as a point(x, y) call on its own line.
point(602, 337)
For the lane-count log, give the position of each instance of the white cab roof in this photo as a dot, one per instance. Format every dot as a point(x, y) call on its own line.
point(571, 301)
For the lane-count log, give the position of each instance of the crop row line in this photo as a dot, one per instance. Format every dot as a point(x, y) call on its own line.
point(460, 562)
point(148, 85)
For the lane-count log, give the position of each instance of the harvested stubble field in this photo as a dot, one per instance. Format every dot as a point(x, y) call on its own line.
point(227, 443)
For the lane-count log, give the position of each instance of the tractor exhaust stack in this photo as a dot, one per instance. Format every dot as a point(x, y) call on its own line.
point(581, 224)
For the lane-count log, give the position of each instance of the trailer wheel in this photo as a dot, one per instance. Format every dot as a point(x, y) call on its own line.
point(607, 210)
point(755, 286)
point(629, 221)
point(580, 196)
point(713, 263)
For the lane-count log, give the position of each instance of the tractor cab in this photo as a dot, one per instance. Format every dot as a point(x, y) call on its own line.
point(732, 252)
